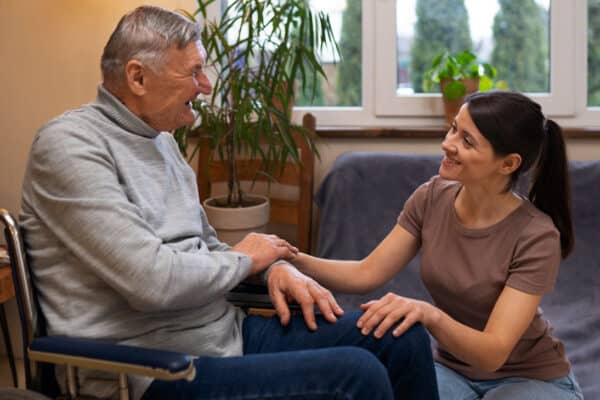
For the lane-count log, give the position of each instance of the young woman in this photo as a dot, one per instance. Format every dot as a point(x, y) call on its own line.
point(488, 256)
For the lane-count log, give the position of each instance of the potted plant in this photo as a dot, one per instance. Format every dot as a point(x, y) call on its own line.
point(457, 76)
point(258, 51)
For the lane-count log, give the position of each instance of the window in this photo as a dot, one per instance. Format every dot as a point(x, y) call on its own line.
point(515, 34)
point(559, 68)
point(511, 35)
point(593, 41)
point(343, 86)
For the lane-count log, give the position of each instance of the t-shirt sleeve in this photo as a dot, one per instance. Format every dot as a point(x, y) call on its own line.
point(534, 267)
point(412, 215)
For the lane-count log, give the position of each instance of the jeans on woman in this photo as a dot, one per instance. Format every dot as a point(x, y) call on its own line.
point(334, 362)
point(453, 386)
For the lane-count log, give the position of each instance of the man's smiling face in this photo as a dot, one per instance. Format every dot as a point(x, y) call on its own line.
point(166, 104)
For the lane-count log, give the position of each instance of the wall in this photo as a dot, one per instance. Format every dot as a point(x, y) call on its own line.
point(50, 53)
point(50, 62)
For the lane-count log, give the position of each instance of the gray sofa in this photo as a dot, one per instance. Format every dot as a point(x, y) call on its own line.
point(361, 197)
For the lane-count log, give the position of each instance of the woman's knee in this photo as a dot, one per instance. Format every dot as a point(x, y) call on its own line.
point(452, 385)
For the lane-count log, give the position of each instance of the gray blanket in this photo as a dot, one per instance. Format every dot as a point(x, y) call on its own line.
point(363, 194)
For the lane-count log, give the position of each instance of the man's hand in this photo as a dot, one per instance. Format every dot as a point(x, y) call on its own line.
point(264, 250)
point(285, 282)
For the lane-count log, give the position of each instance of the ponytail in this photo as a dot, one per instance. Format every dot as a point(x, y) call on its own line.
point(550, 188)
point(513, 123)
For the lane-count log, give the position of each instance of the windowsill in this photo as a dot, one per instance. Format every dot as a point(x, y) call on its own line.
point(426, 132)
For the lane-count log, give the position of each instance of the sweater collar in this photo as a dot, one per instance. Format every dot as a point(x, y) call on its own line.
point(112, 107)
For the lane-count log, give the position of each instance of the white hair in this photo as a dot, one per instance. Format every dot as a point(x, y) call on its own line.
point(145, 34)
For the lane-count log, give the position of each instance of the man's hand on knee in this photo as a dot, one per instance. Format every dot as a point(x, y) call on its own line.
point(285, 283)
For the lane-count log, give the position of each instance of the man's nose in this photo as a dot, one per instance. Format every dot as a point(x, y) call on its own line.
point(203, 85)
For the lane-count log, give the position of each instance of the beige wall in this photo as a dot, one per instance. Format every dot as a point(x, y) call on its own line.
point(50, 53)
point(49, 62)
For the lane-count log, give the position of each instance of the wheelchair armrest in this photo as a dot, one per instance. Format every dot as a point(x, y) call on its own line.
point(249, 295)
point(106, 356)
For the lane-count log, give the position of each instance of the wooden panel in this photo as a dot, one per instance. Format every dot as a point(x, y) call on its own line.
point(284, 211)
point(265, 312)
point(305, 200)
point(7, 291)
point(247, 170)
point(435, 132)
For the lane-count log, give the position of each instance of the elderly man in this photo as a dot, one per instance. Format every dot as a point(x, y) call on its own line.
point(121, 249)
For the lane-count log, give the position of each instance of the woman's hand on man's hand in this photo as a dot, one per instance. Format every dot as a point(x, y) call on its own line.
point(264, 250)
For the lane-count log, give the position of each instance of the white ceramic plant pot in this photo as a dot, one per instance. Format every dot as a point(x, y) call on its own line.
point(232, 224)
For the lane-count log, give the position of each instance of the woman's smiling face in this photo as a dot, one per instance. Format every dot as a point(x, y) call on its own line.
point(469, 156)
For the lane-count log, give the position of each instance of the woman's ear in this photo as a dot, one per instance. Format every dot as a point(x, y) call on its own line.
point(135, 77)
point(510, 163)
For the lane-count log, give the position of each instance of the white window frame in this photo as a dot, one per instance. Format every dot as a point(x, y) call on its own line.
point(559, 102)
point(585, 116)
point(381, 107)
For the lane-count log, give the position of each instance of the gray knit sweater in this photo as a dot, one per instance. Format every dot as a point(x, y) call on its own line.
point(120, 248)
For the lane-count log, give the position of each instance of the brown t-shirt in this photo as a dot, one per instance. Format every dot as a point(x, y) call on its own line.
point(465, 270)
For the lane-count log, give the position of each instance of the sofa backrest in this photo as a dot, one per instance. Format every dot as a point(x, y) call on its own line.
point(359, 202)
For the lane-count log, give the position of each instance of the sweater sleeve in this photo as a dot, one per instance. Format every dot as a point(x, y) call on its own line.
point(76, 191)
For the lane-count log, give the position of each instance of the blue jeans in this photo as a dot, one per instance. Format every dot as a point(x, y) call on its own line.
point(454, 386)
point(334, 362)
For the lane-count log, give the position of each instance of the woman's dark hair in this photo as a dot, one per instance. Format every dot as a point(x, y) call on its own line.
point(513, 123)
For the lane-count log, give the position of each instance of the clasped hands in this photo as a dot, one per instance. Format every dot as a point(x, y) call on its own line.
point(286, 283)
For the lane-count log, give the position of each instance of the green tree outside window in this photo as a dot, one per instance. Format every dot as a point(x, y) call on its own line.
point(593, 53)
point(303, 96)
point(441, 25)
point(349, 78)
point(521, 39)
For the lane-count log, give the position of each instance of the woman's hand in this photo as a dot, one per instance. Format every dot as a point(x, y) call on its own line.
point(264, 250)
point(381, 315)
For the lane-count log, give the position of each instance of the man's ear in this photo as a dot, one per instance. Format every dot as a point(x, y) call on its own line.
point(510, 163)
point(135, 77)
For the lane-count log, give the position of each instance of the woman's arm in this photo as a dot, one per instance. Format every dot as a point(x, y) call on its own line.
point(388, 258)
point(487, 350)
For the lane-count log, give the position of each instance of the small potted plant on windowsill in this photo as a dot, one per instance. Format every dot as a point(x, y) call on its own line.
point(258, 51)
point(457, 76)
